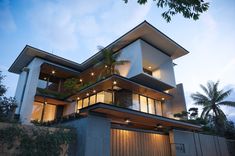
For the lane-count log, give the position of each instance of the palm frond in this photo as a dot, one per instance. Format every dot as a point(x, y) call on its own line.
point(204, 112)
point(223, 94)
point(227, 103)
point(204, 89)
point(200, 99)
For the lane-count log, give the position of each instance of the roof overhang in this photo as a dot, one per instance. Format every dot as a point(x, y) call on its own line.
point(123, 83)
point(144, 31)
point(137, 118)
point(29, 53)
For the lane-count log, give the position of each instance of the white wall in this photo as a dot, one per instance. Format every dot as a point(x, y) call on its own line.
point(132, 53)
point(30, 90)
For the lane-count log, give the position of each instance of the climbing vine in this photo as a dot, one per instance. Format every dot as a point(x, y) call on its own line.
point(40, 142)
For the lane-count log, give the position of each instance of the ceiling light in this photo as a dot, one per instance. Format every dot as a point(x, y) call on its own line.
point(127, 121)
point(114, 82)
point(159, 126)
point(53, 72)
point(44, 78)
point(78, 98)
point(94, 91)
point(92, 74)
point(106, 66)
point(80, 80)
point(163, 98)
point(149, 67)
point(87, 94)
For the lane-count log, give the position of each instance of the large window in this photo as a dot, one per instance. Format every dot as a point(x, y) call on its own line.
point(146, 104)
point(103, 97)
point(143, 104)
point(49, 112)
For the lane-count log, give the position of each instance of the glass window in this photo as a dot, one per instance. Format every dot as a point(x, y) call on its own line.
point(135, 102)
point(108, 97)
point(100, 97)
point(151, 106)
point(85, 102)
point(158, 107)
point(92, 100)
point(49, 112)
point(37, 111)
point(143, 104)
point(80, 104)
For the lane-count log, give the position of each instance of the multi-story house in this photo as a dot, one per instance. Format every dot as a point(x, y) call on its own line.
point(143, 97)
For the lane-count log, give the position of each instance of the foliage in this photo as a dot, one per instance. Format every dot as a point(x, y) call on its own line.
point(110, 61)
point(190, 9)
point(7, 105)
point(72, 85)
point(41, 142)
point(52, 93)
point(193, 113)
point(211, 102)
point(181, 115)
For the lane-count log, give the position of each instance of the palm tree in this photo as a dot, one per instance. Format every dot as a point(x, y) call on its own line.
point(109, 62)
point(211, 101)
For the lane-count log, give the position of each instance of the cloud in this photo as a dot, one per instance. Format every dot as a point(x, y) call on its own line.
point(7, 22)
point(76, 28)
point(3, 68)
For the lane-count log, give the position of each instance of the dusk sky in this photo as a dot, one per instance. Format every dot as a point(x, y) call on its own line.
point(73, 29)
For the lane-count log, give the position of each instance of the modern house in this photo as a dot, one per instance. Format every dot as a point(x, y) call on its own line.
point(130, 113)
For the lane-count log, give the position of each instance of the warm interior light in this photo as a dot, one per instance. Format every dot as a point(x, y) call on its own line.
point(80, 80)
point(53, 72)
point(159, 126)
point(94, 91)
point(163, 98)
point(114, 82)
point(166, 91)
point(92, 74)
point(44, 78)
point(106, 66)
point(149, 67)
point(127, 120)
point(78, 98)
point(87, 94)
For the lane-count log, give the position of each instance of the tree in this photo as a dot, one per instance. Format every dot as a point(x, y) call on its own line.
point(110, 61)
point(7, 105)
point(190, 9)
point(211, 101)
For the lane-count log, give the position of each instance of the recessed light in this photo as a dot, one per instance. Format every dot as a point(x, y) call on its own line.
point(92, 74)
point(87, 94)
point(44, 78)
point(80, 80)
point(53, 72)
point(94, 91)
point(150, 67)
point(163, 98)
point(159, 126)
point(114, 82)
point(106, 66)
point(78, 98)
point(127, 120)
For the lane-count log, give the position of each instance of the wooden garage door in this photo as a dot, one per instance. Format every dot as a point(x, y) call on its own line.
point(134, 143)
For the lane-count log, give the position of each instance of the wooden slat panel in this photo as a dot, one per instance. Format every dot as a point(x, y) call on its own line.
point(134, 143)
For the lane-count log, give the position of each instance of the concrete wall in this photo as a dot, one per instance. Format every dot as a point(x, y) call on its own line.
point(175, 105)
point(93, 136)
point(184, 143)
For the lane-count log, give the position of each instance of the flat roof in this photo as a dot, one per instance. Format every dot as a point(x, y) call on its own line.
point(144, 31)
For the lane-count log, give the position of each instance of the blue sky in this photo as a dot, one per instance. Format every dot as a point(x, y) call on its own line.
point(73, 29)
